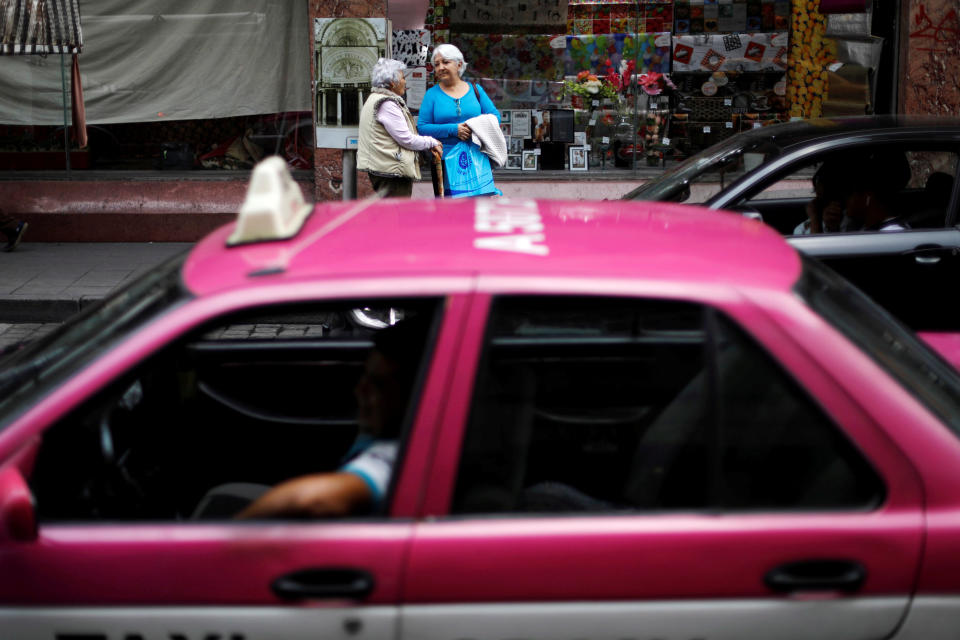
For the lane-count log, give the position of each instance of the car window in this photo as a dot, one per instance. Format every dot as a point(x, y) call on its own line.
point(923, 164)
point(621, 405)
point(798, 184)
point(702, 176)
point(915, 194)
point(206, 426)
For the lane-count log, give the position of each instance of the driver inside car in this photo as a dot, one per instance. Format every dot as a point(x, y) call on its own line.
point(360, 484)
point(857, 191)
point(825, 212)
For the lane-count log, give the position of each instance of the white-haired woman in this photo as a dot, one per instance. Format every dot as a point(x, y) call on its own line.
point(388, 136)
point(448, 104)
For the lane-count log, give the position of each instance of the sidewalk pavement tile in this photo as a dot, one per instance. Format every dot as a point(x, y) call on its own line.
point(48, 282)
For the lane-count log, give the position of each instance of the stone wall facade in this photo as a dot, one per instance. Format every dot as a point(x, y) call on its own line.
point(930, 58)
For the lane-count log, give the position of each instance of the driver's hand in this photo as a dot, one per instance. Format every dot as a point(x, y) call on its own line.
point(832, 215)
point(813, 215)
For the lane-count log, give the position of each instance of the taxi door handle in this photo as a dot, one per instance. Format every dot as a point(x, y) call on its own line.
point(816, 575)
point(324, 583)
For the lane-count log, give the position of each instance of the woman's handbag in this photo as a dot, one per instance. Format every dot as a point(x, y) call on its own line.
point(467, 171)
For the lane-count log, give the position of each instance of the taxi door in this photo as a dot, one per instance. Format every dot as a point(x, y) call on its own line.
point(136, 576)
point(645, 468)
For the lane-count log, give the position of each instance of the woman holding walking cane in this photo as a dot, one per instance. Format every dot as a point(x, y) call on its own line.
point(388, 145)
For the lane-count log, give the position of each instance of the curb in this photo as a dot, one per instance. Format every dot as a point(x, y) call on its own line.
point(17, 310)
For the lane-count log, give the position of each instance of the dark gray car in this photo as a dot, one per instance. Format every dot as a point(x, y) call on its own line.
point(910, 265)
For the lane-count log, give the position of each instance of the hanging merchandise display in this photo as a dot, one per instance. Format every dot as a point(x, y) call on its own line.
point(810, 53)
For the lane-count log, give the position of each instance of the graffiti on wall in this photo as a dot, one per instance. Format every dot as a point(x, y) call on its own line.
point(932, 80)
point(928, 35)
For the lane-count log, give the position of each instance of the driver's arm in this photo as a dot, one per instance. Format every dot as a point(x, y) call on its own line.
point(317, 495)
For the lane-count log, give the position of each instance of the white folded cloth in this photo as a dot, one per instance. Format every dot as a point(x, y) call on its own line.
point(488, 136)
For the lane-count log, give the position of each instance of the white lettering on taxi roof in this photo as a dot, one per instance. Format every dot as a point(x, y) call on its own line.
point(517, 224)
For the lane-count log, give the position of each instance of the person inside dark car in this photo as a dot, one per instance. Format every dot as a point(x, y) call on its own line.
point(873, 187)
point(825, 210)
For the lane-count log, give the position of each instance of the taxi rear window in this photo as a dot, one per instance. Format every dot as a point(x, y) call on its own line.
point(890, 344)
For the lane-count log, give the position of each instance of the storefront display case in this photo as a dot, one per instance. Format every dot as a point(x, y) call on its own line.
point(640, 84)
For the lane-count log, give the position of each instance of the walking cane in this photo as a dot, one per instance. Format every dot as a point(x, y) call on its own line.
point(436, 173)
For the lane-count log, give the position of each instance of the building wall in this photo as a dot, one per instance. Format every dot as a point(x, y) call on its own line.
point(175, 208)
point(930, 52)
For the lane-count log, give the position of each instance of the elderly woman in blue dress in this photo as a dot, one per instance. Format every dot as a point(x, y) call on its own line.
point(388, 144)
point(448, 104)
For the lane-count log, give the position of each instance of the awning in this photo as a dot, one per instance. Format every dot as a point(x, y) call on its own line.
point(39, 27)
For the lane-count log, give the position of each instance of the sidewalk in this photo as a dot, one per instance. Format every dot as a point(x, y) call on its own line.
point(49, 282)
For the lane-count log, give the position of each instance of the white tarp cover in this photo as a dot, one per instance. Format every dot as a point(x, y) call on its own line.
point(150, 60)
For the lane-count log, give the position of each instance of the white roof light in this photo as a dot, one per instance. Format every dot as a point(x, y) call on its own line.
point(274, 208)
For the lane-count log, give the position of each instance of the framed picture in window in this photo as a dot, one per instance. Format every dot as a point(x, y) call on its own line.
point(578, 159)
point(561, 125)
point(521, 123)
point(515, 145)
point(514, 161)
point(505, 127)
point(529, 161)
point(505, 116)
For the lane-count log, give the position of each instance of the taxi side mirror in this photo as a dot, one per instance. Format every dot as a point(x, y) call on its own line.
point(18, 520)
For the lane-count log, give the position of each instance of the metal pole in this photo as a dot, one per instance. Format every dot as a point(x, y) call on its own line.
point(63, 94)
point(349, 174)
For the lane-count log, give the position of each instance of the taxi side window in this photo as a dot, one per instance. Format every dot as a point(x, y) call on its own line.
point(605, 405)
point(236, 407)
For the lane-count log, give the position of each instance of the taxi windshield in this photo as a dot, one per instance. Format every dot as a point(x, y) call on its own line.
point(891, 345)
point(33, 368)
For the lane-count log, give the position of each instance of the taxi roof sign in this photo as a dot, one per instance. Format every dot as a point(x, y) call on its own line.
point(274, 207)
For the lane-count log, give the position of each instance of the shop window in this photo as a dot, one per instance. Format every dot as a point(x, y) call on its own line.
point(647, 82)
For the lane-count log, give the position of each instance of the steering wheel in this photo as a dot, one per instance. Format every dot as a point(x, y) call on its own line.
point(114, 491)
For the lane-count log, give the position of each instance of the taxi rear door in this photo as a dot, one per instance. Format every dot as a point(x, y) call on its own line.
point(673, 481)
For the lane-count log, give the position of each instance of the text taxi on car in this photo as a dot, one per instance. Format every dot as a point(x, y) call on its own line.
point(617, 421)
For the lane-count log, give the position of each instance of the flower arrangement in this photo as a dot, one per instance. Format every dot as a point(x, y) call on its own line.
point(588, 85)
point(617, 83)
point(650, 82)
point(653, 83)
point(621, 78)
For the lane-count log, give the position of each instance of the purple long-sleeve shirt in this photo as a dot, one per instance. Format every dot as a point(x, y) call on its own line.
point(391, 117)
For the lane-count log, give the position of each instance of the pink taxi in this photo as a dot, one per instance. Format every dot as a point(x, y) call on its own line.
point(626, 420)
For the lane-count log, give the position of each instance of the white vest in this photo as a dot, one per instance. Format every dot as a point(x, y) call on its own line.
point(377, 152)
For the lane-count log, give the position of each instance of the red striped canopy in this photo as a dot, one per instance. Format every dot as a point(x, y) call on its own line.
point(40, 26)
